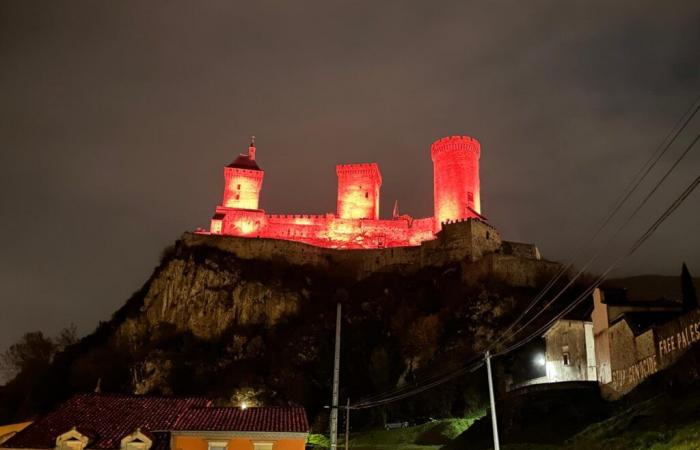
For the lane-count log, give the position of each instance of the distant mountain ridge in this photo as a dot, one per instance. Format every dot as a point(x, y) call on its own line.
point(651, 287)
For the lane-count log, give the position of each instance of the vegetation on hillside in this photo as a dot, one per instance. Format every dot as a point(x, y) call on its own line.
point(396, 329)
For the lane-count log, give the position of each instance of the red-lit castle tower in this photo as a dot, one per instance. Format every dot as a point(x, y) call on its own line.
point(356, 223)
point(358, 191)
point(455, 179)
point(243, 180)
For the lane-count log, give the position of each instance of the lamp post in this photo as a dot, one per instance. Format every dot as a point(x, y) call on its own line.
point(494, 424)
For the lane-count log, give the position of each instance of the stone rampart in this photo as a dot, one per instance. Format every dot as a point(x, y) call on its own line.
point(464, 241)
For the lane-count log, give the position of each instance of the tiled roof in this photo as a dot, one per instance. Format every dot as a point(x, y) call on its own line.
point(264, 419)
point(107, 417)
point(244, 162)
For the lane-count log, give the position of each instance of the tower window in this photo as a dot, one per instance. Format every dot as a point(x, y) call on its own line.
point(238, 196)
point(366, 194)
point(470, 197)
point(239, 187)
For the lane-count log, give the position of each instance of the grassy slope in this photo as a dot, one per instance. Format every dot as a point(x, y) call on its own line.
point(670, 421)
point(429, 436)
point(667, 422)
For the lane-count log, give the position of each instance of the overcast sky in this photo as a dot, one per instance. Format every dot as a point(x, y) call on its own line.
point(116, 119)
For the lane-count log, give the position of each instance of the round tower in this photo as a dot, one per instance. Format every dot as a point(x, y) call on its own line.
point(455, 178)
point(243, 180)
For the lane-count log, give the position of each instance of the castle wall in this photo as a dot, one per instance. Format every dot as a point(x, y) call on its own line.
point(356, 223)
point(468, 240)
point(323, 230)
point(509, 269)
point(632, 359)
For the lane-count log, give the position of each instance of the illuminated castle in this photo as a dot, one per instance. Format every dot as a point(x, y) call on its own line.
point(356, 222)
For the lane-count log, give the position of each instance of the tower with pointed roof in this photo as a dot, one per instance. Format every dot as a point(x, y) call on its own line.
point(243, 180)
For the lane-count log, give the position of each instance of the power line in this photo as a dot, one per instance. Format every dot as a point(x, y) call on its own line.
point(638, 243)
point(627, 221)
point(476, 362)
point(632, 186)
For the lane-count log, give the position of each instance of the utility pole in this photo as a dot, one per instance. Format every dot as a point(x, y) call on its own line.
point(496, 445)
point(347, 424)
point(336, 379)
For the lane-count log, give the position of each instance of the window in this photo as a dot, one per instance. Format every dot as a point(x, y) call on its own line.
point(470, 197)
point(72, 444)
point(262, 445)
point(71, 440)
point(136, 441)
point(217, 445)
point(238, 196)
point(566, 359)
point(366, 194)
point(239, 187)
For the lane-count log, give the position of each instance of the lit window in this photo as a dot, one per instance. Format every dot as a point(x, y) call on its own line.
point(217, 445)
point(566, 359)
point(262, 446)
point(71, 440)
point(136, 441)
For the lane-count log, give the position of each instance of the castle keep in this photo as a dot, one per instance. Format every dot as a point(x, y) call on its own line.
point(356, 223)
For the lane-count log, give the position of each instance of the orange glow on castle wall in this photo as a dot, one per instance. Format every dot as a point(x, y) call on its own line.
point(358, 191)
point(456, 188)
point(356, 222)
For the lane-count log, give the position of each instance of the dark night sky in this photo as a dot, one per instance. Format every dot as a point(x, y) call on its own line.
point(116, 119)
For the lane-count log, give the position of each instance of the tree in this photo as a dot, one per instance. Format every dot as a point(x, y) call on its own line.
point(66, 337)
point(31, 351)
point(34, 350)
point(690, 298)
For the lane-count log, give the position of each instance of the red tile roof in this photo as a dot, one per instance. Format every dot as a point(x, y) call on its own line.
point(265, 419)
point(108, 418)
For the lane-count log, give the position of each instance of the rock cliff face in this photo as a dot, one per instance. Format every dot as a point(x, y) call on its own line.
point(210, 323)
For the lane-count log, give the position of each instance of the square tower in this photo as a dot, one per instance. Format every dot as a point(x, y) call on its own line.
point(243, 180)
point(358, 191)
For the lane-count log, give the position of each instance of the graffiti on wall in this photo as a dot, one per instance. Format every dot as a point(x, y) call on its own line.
point(680, 340)
point(623, 379)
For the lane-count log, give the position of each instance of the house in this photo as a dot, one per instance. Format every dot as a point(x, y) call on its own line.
point(130, 422)
point(620, 341)
point(570, 354)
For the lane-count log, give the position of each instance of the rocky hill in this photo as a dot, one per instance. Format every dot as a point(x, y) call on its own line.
point(210, 323)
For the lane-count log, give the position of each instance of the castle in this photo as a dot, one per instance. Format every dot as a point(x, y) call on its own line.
point(356, 223)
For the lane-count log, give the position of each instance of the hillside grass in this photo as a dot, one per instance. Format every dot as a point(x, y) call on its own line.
point(670, 421)
point(665, 422)
point(427, 436)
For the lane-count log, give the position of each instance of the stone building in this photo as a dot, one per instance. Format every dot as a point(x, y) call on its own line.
point(355, 223)
point(622, 341)
point(570, 351)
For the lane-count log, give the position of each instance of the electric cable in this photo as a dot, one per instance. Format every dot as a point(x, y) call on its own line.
point(632, 186)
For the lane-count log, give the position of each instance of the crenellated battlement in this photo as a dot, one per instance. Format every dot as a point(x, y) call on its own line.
point(455, 143)
point(356, 222)
point(367, 169)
